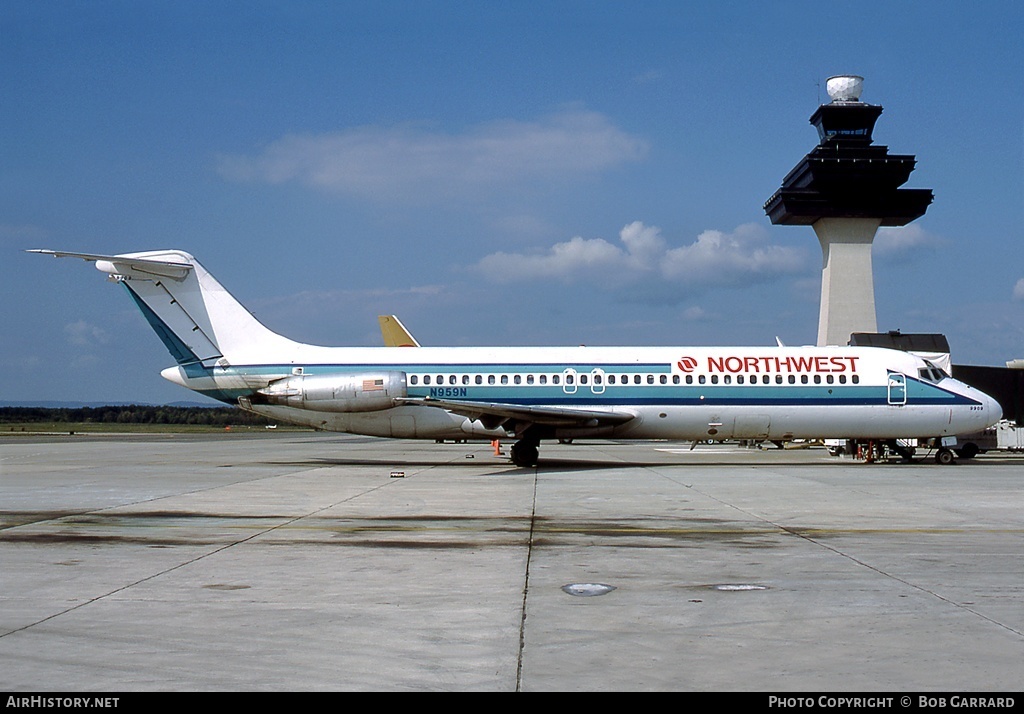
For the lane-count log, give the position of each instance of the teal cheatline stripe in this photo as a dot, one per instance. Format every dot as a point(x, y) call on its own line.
point(181, 352)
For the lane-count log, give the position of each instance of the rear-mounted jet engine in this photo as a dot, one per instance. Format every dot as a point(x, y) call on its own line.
point(356, 392)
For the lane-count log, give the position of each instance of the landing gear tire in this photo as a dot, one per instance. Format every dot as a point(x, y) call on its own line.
point(906, 453)
point(524, 454)
point(944, 457)
point(969, 450)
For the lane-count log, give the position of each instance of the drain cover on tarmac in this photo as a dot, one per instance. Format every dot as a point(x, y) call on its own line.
point(587, 589)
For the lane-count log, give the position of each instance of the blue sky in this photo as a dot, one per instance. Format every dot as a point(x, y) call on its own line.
point(492, 172)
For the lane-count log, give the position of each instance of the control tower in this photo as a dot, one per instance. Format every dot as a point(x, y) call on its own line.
point(845, 189)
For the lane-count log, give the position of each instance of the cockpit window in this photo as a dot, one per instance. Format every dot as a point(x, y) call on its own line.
point(931, 373)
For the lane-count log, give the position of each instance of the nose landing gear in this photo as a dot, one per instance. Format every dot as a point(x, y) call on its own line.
point(883, 450)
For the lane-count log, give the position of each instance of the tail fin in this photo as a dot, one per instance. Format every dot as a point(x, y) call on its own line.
point(195, 317)
point(394, 332)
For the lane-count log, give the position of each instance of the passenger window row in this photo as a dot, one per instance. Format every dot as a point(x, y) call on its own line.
point(624, 379)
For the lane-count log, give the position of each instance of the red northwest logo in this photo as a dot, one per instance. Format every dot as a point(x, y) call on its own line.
point(686, 364)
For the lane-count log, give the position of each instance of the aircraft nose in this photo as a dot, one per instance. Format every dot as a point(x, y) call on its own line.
point(993, 410)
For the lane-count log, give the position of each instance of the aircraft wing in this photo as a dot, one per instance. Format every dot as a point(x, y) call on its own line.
point(495, 414)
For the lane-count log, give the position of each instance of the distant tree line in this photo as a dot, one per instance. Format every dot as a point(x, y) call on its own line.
point(133, 414)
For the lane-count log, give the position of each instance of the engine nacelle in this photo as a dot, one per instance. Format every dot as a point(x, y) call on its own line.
point(340, 392)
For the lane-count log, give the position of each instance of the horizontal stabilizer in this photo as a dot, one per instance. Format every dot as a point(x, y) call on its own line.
point(128, 265)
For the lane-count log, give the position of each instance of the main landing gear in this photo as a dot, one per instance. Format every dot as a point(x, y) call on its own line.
point(525, 452)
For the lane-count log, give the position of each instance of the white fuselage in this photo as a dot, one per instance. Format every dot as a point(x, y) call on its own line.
point(682, 393)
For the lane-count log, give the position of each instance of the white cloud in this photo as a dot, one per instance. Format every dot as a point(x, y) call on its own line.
point(411, 161)
point(336, 316)
point(313, 305)
point(646, 260)
point(1018, 290)
point(695, 314)
point(644, 244)
point(24, 232)
point(718, 258)
point(903, 240)
point(563, 261)
point(649, 76)
point(85, 334)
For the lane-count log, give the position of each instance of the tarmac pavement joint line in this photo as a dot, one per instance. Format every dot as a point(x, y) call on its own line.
point(804, 534)
point(203, 556)
point(526, 584)
point(904, 581)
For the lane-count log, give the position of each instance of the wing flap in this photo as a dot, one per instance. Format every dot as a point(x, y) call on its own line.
point(495, 414)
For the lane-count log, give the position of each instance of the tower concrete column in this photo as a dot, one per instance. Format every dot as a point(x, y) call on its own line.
point(847, 284)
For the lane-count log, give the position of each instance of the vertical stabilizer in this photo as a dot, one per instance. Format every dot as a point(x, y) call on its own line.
point(195, 317)
point(394, 332)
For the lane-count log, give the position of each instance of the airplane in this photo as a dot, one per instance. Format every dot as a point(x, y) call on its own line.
point(537, 393)
point(394, 332)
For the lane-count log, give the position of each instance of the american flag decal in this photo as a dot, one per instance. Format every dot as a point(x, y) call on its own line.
point(373, 385)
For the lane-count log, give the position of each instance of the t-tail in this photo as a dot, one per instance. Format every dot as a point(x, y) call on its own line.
point(201, 324)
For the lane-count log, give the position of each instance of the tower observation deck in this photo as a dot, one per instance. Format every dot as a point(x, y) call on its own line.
point(845, 189)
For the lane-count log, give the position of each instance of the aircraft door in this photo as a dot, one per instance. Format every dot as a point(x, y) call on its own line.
point(597, 381)
point(897, 388)
point(569, 385)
